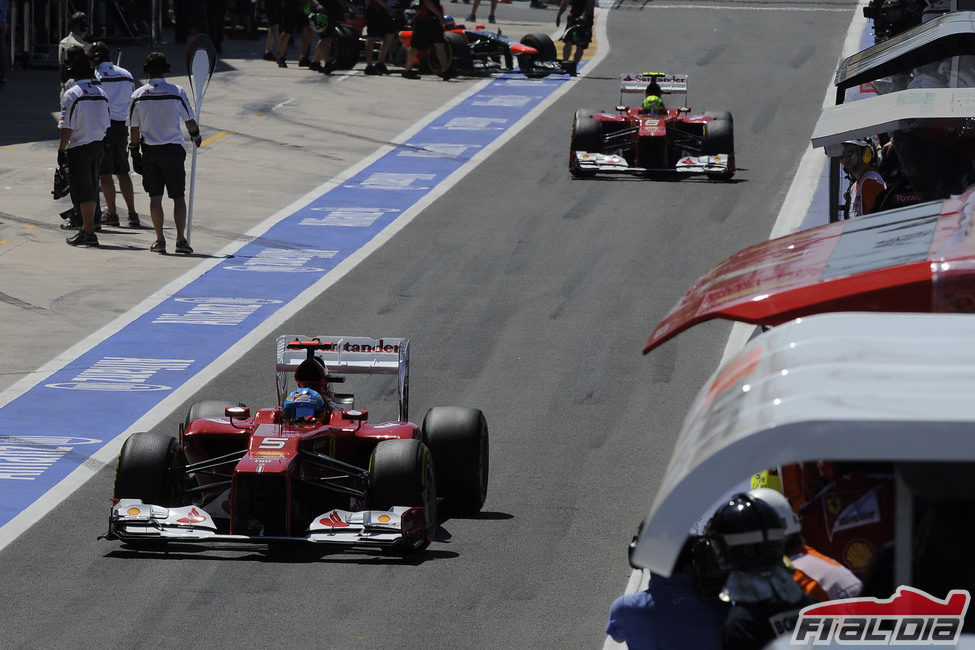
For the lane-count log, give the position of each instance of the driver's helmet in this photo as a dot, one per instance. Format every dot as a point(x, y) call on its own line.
point(653, 105)
point(318, 21)
point(748, 534)
point(303, 405)
point(449, 22)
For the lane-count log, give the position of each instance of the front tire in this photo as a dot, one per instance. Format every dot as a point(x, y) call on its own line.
point(587, 135)
point(458, 439)
point(401, 473)
point(213, 408)
point(145, 469)
point(719, 137)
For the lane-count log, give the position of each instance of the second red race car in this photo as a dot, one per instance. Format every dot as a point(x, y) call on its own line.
point(310, 469)
point(651, 139)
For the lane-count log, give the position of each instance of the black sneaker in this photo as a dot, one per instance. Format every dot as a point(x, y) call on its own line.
point(410, 74)
point(304, 62)
point(315, 66)
point(447, 74)
point(491, 19)
point(282, 62)
point(381, 68)
point(110, 219)
point(472, 18)
point(268, 56)
point(134, 220)
point(327, 67)
point(183, 246)
point(82, 238)
point(71, 224)
point(98, 222)
point(158, 247)
point(371, 70)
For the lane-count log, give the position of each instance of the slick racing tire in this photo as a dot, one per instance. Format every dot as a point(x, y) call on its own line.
point(587, 135)
point(458, 55)
point(207, 409)
point(719, 137)
point(720, 115)
point(543, 43)
point(458, 439)
point(345, 48)
point(145, 469)
point(401, 473)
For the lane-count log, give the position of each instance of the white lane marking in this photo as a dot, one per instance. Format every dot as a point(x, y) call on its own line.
point(735, 8)
point(282, 104)
point(790, 217)
point(33, 513)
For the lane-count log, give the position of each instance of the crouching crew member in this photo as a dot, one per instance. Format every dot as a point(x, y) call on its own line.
point(83, 124)
point(156, 145)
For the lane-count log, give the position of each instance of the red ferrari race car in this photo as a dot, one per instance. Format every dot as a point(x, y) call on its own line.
point(652, 140)
point(311, 469)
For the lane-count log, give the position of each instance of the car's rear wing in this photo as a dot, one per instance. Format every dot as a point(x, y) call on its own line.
point(348, 355)
point(636, 83)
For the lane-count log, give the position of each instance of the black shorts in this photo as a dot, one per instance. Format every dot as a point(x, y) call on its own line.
point(162, 167)
point(116, 160)
point(83, 165)
point(273, 10)
point(378, 21)
point(579, 32)
point(293, 17)
point(426, 32)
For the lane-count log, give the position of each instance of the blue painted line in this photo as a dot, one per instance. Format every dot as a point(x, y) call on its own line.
point(54, 427)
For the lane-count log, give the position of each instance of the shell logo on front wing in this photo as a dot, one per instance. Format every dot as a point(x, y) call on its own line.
point(384, 519)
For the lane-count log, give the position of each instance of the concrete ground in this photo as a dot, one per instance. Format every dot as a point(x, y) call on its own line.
point(270, 136)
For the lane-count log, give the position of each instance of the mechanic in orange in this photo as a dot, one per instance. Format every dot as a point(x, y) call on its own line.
point(819, 576)
point(866, 183)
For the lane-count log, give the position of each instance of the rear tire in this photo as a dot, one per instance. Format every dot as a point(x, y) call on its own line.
point(458, 55)
point(145, 469)
point(458, 439)
point(587, 135)
point(401, 473)
point(719, 137)
point(345, 48)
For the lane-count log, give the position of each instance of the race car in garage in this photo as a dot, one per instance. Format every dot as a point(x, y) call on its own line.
point(635, 140)
point(287, 473)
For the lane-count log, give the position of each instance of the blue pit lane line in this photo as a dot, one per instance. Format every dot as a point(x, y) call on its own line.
point(166, 346)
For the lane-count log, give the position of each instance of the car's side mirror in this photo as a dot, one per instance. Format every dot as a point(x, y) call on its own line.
point(237, 412)
point(621, 109)
point(684, 109)
point(355, 416)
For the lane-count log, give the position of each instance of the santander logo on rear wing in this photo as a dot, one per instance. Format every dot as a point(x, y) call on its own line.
point(632, 82)
point(348, 355)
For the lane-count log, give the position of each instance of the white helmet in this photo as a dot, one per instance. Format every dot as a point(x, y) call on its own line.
point(782, 507)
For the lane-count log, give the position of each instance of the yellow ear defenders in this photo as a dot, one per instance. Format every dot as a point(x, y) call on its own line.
point(867, 155)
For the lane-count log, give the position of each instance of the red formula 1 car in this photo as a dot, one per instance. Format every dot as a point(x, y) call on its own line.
point(332, 478)
point(651, 141)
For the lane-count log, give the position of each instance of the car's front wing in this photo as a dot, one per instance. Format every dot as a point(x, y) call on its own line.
point(611, 163)
point(131, 520)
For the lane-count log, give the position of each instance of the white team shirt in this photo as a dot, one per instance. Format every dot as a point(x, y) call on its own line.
point(84, 110)
point(118, 85)
point(158, 108)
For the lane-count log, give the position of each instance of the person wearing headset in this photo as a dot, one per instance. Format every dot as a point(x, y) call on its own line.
point(866, 183)
point(156, 146)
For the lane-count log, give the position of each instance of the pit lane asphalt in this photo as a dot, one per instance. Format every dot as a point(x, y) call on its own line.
point(525, 293)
